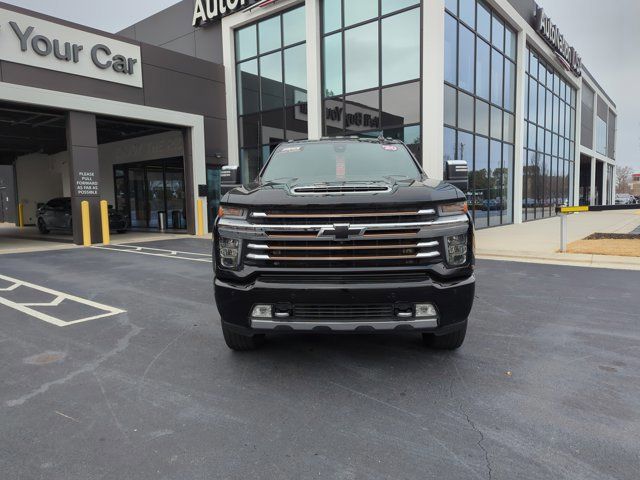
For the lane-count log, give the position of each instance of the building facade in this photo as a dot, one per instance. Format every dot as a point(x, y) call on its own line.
point(491, 82)
point(204, 84)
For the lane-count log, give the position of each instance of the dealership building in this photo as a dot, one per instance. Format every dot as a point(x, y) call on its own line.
point(151, 118)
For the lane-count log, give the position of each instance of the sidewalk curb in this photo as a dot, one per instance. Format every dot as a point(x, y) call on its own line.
point(569, 259)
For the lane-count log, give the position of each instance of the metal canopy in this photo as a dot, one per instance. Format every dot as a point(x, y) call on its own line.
point(28, 129)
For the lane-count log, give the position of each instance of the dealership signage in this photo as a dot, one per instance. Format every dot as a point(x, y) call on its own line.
point(39, 43)
point(207, 10)
point(565, 52)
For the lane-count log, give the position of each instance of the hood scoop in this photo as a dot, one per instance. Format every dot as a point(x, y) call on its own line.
point(324, 189)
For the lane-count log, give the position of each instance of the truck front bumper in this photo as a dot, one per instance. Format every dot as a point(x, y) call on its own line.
point(453, 301)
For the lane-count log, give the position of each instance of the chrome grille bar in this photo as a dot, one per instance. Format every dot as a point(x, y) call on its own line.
point(430, 254)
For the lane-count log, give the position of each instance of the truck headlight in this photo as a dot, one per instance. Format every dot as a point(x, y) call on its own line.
point(229, 249)
point(230, 211)
point(458, 208)
point(457, 249)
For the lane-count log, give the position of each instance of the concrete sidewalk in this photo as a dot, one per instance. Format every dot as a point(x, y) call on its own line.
point(539, 241)
point(28, 239)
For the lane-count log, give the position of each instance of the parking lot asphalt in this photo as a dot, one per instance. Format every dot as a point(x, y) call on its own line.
point(545, 387)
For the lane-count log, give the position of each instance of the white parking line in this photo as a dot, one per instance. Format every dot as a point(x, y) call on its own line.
point(27, 307)
point(151, 252)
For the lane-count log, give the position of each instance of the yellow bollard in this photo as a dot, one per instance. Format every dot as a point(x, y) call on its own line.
point(200, 218)
point(20, 215)
point(86, 224)
point(104, 214)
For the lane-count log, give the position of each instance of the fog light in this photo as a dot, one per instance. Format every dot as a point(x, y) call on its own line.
point(425, 310)
point(262, 311)
point(457, 250)
point(229, 252)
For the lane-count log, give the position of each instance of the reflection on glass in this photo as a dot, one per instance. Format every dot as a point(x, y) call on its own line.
point(249, 126)
point(450, 106)
point(452, 6)
point(496, 123)
point(482, 117)
point(510, 43)
point(247, 84)
point(450, 49)
point(449, 152)
point(296, 122)
point(509, 86)
point(497, 33)
point(331, 15)
point(401, 105)
point(356, 11)
point(484, 21)
point(494, 203)
point(250, 164)
point(401, 47)
point(483, 74)
point(332, 65)
point(295, 74)
point(362, 112)
point(468, 12)
point(361, 57)
point(481, 182)
point(272, 127)
point(269, 32)
point(465, 111)
point(466, 58)
point(507, 184)
point(509, 127)
point(272, 88)
point(389, 6)
point(175, 194)
point(294, 26)
point(246, 43)
point(497, 63)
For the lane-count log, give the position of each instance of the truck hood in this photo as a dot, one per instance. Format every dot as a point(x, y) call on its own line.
point(402, 192)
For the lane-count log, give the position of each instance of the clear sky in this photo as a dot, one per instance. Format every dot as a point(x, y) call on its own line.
point(606, 33)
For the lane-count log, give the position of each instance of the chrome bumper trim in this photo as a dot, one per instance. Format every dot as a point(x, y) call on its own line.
point(347, 326)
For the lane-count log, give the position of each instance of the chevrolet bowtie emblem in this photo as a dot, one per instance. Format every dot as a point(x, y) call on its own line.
point(342, 231)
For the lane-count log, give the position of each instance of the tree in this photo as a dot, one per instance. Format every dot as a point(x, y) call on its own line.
point(622, 179)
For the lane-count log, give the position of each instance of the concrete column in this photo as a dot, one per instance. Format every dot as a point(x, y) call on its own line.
point(433, 87)
point(84, 172)
point(314, 69)
point(592, 184)
point(603, 186)
point(578, 136)
point(190, 187)
point(518, 158)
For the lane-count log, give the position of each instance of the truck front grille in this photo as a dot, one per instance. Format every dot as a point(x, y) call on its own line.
point(343, 312)
point(343, 238)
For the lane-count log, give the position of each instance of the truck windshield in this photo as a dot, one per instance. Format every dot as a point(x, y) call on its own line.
point(340, 161)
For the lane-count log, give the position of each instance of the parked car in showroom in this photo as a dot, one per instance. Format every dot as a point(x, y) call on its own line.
point(345, 235)
point(55, 215)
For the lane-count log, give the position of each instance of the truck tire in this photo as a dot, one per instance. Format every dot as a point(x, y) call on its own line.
point(450, 341)
point(241, 343)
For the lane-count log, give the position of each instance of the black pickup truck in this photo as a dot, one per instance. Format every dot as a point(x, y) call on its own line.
point(344, 235)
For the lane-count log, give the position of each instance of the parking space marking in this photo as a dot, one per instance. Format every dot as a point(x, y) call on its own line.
point(158, 252)
point(28, 308)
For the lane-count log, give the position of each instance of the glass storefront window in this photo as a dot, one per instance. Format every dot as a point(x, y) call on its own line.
point(480, 85)
point(547, 177)
point(361, 57)
point(400, 47)
point(271, 79)
point(374, 87)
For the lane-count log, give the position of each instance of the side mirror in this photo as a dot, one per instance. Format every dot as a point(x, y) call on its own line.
point(456, 172)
